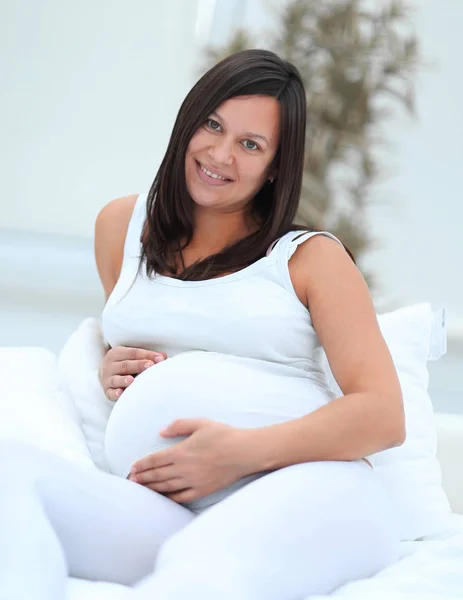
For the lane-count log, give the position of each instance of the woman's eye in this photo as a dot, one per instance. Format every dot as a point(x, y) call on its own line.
point(213, 124)
point(250, 145)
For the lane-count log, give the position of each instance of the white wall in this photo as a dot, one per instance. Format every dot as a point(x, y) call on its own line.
point(89, 93)
point(419, 221)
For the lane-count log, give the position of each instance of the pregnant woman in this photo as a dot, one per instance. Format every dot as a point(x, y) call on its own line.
point(236, 473)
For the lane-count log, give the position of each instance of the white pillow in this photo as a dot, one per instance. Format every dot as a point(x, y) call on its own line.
point(33, 407)
point(449, 428)
point(411, 472)
point(79, 361)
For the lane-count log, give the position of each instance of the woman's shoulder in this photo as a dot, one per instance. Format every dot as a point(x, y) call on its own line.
point(314, 257)
point(117, 212)
point(318, 249)
point(111, 227)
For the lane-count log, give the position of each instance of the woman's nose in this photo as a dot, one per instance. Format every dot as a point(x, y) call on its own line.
point(221, 153)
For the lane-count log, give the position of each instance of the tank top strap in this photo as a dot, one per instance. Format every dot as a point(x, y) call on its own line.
point(286, 246)
point(132, 244)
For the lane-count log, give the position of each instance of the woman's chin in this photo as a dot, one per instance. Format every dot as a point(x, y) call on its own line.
point(208, 200)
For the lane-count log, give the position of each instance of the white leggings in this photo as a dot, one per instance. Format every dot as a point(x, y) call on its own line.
point(296, 532)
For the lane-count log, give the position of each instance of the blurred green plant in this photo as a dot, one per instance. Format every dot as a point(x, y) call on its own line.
point(358, 62)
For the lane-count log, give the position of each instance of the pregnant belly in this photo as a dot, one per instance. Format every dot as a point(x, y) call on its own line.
point(239, 392)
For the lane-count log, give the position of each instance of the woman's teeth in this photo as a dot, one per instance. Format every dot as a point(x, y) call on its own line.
point(213, 175)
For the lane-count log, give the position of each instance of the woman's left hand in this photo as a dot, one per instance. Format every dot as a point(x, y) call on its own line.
point(213, 456)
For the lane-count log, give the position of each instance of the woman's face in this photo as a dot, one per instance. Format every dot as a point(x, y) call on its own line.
point(228, 158)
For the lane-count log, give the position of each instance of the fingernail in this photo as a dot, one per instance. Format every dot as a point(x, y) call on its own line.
point(158, 359)
point(148, 365)
point(127, 380)
point(118, 393)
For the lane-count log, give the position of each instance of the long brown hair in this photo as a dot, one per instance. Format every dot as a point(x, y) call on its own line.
point(169, 212)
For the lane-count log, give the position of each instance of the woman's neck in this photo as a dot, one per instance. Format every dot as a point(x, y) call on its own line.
point(215, 231)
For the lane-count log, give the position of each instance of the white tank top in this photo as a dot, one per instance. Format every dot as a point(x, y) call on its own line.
point(241, 348)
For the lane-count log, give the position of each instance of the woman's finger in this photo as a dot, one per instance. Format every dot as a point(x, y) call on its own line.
point(160, 458)
point(132, 367)
point(183, 496)
point(120, 381)
point(113, 394)
point(120, 374)
point(121, 353)
point(155, 475)
point(121, 364)
point(167, 487)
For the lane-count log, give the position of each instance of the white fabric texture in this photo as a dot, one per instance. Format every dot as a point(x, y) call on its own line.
point(450, 456)
point(35, 408)
point(429, 571)
point(78, 362)
point(58, 517)
point(255, 544)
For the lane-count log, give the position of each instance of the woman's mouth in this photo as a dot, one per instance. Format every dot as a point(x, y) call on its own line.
point(210, 177)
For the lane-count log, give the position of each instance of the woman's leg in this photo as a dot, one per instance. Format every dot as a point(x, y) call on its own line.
point(302, 530)
point(58, 518)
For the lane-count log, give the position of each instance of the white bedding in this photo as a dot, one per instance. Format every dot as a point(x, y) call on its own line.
point(36, 409)
point(429, 570)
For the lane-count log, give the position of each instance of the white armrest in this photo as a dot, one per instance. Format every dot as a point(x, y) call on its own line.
point(449, 428)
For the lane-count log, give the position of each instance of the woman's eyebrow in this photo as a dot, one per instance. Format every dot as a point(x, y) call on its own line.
point(248, 133)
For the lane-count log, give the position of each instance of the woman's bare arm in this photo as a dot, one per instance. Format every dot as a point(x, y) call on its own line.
point(110, 232)
point(370, 416)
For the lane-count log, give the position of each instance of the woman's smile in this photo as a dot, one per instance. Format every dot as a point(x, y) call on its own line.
point(211, 177)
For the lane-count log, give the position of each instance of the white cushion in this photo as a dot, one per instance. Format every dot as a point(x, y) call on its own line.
point(411, 472)
point(34, 408)
point(450, 455)
point(79, 361)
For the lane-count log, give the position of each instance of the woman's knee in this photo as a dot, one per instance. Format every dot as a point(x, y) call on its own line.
point(326, 523)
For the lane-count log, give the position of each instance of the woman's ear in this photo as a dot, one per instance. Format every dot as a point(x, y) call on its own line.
point(271, 176)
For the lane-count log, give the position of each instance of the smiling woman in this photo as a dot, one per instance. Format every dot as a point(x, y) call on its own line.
point(208, 274)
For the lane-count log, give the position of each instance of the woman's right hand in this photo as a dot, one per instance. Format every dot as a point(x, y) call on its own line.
point(120, 365)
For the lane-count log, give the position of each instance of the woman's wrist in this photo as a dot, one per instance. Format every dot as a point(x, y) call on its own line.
point(257, 446)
